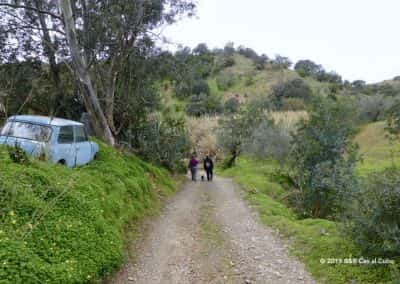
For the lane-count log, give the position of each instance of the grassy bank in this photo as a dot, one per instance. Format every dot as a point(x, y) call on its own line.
point(60, 225)
point(309, 239)
point(377, 151)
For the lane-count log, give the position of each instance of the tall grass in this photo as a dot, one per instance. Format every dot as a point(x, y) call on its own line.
point(288, 118)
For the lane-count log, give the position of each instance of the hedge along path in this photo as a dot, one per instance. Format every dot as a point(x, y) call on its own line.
point(207, 234)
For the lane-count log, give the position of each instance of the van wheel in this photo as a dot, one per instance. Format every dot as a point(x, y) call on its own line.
point(95, 157)
point(62, 162)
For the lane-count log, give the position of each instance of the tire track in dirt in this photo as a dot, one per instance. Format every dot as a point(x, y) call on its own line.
point(207, 234)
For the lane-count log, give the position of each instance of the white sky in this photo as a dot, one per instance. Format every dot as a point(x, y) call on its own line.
point(359, 39)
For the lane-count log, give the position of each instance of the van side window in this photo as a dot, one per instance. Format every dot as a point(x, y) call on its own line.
point(66, 135)
point(80, 134)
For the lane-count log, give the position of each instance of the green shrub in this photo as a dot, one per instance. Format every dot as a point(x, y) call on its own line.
point(204, 104)
point(225, 81)
point(61, 225)
point(308, 239)
point(374, 222)
point(296, 88)
point(183, 90)
point(231, 105)
point(163, 141)
point(270, 140)
point(373, 108)
point(292, 104)
point(200, 86)
point(323, 157)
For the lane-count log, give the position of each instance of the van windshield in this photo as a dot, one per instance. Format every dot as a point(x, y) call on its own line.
point(27, 130)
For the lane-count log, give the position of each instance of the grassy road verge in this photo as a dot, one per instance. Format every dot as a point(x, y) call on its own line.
point(316, 242)
point(60, 225)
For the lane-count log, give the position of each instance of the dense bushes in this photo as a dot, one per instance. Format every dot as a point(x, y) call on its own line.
point(200, 87)
point(374, 223)
point(322, 160)
point(203, 104)
point(231, 105)
point(307, 68)
point(225, 81)
point(60, 225)
point(270, 140)
point(187, 88)
point(374, 107)
point(295, 88)
point(163, 141)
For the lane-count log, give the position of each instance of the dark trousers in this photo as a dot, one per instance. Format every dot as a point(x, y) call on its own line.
point(193, 171)
point(209, 173)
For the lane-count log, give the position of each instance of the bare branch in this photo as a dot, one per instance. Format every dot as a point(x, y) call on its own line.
point(16, 6)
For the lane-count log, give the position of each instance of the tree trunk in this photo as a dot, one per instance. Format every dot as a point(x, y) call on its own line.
point(49, 49)
point(109, 101)
point(91, 99)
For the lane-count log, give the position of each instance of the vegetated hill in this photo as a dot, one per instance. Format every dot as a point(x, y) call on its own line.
point(377, 150)
point(61, 225)
point(248, 83)
point(245, 81)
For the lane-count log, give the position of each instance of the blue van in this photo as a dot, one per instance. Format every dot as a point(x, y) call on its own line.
point(62, 141)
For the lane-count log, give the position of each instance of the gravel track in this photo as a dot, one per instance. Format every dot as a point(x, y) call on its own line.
point(208, 234)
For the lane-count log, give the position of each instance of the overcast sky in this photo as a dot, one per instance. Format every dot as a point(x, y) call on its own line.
point(359, 39)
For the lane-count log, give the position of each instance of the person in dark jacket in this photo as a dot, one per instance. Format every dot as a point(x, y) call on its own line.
point(193, 167)
point(208, 167)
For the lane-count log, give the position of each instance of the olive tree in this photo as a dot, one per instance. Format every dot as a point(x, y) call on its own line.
point(236, 130)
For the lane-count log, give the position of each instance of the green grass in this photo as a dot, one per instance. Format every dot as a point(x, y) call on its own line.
point(377, 151)
point(309, 239)
point(60, 225)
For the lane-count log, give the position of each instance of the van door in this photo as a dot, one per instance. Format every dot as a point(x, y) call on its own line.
point(83, 146)
point(65, 150)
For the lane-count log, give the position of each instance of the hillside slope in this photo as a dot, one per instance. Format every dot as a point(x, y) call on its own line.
point(377, 151)
point(60, 225)
point(249, 83)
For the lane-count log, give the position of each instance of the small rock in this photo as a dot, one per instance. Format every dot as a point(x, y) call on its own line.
point(232, 263)
point(247, 281)
point(258, 257)
point(131, 279)
point(225, 277)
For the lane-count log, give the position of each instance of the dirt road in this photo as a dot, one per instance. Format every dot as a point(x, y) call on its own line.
point(207, 234)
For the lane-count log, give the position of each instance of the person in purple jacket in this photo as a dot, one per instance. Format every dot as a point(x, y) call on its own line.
point(193, 167)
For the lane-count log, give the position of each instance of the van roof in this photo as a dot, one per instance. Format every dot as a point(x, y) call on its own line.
point(46, 120)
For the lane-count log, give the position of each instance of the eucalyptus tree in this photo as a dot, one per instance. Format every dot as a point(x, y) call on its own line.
point(101, 35)
point(94, 38)
point(31, 30)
